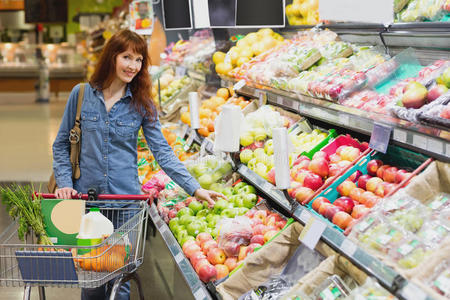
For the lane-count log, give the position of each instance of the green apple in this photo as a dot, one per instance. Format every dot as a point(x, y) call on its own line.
point(195, 228)
point(205, 205)
point(205, 180)
point(246, 139)
point(185, 211)
point(259, 153)
point(199, 170)
point(215, 232)
point(177, 228)
point(225, 168)
point(173, 222)
point(246, 155)
point(216, 176)
point(268, 147)
point(238, 186)
point(210, 217)
point(259, 134)
point(248, 189)
point(261, 170)
point(186, 219)
point(228, 191)
point(181, 234)
point(212, 163)
point(252, 164)
point(220, 205)
point(239, 202)
point(217, 187)
point(186, 238)
point(242, 210)
point(229, 213)
point(195, 206)
point(249, 200)
point(203, 212)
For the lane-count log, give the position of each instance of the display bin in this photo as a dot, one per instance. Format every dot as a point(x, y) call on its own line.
point(331, 135)
point(395, 156)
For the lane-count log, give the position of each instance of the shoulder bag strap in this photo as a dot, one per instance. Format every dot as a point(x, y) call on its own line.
point(75, 137)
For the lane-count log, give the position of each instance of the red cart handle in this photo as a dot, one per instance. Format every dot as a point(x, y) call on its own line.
point(81, 196)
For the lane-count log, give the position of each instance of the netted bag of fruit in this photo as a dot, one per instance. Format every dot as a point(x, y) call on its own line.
point(233, 233)
point(209, 169)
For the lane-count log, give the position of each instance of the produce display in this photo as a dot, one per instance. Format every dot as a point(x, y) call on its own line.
point(216, 239)
point(253, 44)
point(420, 10)
point(210, 109)
point(170, 91)
point(440, 279)
point(303, 12)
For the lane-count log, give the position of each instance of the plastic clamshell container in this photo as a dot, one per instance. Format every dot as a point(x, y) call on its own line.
point(395, 156)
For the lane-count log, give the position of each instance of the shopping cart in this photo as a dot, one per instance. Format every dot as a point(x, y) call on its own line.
point(117, 257)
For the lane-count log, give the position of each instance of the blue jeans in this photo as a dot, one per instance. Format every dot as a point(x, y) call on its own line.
point(103, 292)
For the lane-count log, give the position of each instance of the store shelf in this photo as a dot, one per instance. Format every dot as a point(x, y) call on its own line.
point(421, 138)
point(388, 277)
point(198, 289)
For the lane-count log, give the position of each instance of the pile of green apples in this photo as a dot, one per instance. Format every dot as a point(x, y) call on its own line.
point(190, 217)
point(209, 170)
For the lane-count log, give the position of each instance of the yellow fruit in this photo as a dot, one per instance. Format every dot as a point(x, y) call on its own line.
point(242, 60)
point(257, 48)
point(223, 68)
point(251, 38)
point(218, 57)
point(223, 93)
point(289, 10)
point(234, 56)
point(242, 43)
point(265, 31)
point(247, 52)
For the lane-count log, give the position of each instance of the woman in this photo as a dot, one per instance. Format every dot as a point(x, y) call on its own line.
point(116, 104)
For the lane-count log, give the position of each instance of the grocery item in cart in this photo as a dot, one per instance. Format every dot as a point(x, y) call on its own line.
point(93, 227)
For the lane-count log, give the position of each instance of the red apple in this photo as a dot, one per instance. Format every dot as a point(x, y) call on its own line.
point(209, 245)
point(389, 174)
point(258, 229)
point(318, 201)
point(334, 158)
point(257, 239)
point(343, 164)
point(222, 271)
point(300, 159)
point(180, 205)
point(231, 248)
point(356, 193)
point(250, 213)
point(366, 196)
point(261, 214)
point(172, 214)
point(255, 221)
point(271, 176)
point(242, 253)
point(354, 177)
point(231, 263)
point(303, 165)
point(401, 175)
point(346, 187)
point(333, 170)
point(303, 194)
point(189, 200)
point(445, 113)
point(269, 228)
point(207, 273)
point(372, 183)
point(415, 95)
point(342, 219)
point(301, 175)
point(196, 257)
point(203, 237)
point(201, 263)
point(293, 189)
point(187, 244)
point(331, 211)
point(320, 154)
point(313, 181)
point(362, 180)
point(319, 166)
point(436, 91)
point(373, 165)
point(216, 256)
point(191, 249)
point(269, 235)
point(350, 153)
point(379, 190)
point(339, 150)
point(323, 207)
point(380, 171)
point(271, 221)
point(345, 203)
point(280, 224)
point(371, 202)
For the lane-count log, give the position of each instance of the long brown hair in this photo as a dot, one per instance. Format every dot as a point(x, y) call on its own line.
point(141, 84)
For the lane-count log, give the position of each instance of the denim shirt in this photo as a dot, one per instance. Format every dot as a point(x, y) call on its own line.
point(108, 158)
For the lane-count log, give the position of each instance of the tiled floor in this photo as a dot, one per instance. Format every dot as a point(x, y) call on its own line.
point(27, 130)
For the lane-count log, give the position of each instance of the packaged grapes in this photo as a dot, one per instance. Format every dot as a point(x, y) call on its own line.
point(440, 202)
point(410, 218)
point(370, 290)
point(333, 288)
point(433, 233)
point(410, 252)
point(440, 280)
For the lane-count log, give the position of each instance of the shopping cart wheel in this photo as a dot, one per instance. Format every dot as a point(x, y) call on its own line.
point(124, 278)
point(27, 292)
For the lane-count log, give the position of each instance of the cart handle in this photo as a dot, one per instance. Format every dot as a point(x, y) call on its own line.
point(81, 196)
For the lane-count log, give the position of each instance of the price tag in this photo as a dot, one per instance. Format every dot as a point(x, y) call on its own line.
point(312, 232)
point(199, 294)
point(239, 85)
point(208, 145)
point(305, 216)
point(447, 150)
point(435, 146)
point(400, 135)
point(262, 97)
point(348, 247)
point(178, 257)
point(411, 291)
point(180, 71)
point(344, 119)
point(279, 100)
point(420, 141)
point(379, 139)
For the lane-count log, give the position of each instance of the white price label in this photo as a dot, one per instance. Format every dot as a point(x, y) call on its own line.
point(262, 97)
point(180, 71)
point(279, 100)
point(267, 186)
point(447, 150)
point(411, 291)
point(312, 232)
point(305, 215)
point(435, 146)
point(199, 294)
point(345, 119)
point(400, 135)
point(348, 247)
point(239, 85)
point(420, 141)
point(178, 257)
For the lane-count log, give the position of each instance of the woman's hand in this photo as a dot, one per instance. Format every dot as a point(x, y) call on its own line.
point(65, 193)
point(207, 195)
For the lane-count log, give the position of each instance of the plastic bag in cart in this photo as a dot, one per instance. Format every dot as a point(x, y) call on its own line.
point(233, 233)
